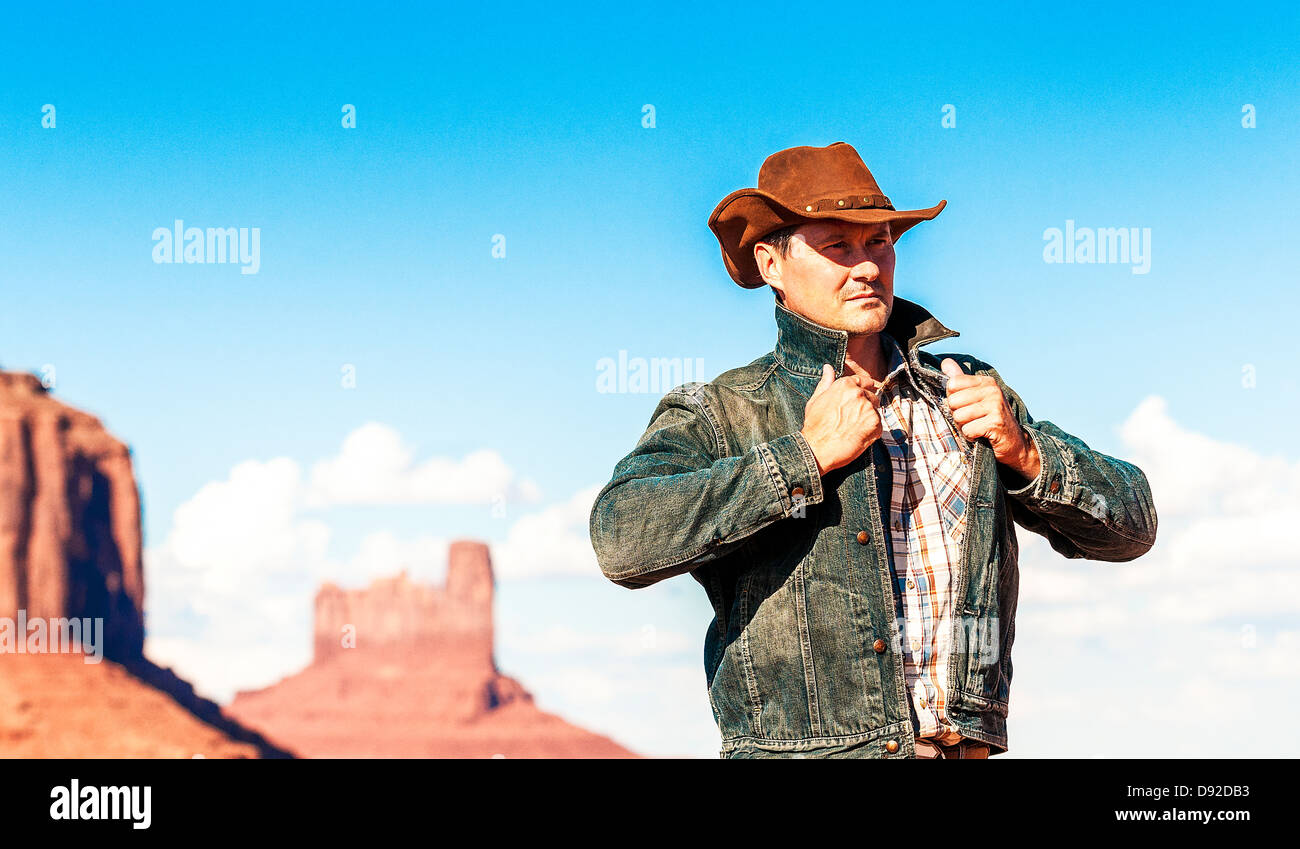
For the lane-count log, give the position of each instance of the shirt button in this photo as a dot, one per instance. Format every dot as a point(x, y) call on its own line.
point(879, 646)
point(898, 526)
point(911, 585)
point(864, 537)
point(1055, 485)
point(922, 701)
point(916, 645)
point(891, 746)
point(797, 492)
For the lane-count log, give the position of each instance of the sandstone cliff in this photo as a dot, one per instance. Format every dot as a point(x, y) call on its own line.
point(70, 547)
point(69, 517)
point(403, 669)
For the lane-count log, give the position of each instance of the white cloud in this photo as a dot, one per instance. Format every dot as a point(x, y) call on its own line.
point(246, 524)
point(1203, 478)
point(382, 553)
point(375, 466)
point(229, 590)
point(551, 541)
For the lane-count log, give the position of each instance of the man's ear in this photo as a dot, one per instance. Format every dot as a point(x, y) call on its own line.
point(769, 268)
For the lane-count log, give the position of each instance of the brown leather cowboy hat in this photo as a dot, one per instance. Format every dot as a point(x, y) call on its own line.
point(797, 185)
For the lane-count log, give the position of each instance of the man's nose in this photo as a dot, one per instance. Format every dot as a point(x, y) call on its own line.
point(866, 270)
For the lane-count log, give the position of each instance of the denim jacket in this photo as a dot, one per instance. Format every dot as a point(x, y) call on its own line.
point(802, 658)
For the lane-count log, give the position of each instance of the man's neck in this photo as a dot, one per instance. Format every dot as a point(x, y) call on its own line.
point(865, 355)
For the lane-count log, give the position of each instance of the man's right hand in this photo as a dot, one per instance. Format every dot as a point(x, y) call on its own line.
point(841, 419)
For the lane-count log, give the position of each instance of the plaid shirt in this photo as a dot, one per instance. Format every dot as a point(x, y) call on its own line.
point(927, 513)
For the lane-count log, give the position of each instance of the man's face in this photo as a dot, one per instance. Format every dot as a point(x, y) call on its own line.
point(838, 274)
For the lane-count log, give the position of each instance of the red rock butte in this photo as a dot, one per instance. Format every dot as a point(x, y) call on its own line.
point(69, 517)
point(70, 547)
point(404, 669)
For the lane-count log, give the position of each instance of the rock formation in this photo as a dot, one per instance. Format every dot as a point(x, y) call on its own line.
point(416, 678)
point(395, 615)
point(70, 547)
point(69, 517)
point(403, 669)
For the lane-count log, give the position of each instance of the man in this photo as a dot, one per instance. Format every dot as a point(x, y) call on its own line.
point(847, 499)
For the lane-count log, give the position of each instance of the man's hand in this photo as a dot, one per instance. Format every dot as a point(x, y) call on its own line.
point(841, 419)
point(981, 410)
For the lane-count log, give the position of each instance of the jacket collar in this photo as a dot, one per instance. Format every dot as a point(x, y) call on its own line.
point(802, 345)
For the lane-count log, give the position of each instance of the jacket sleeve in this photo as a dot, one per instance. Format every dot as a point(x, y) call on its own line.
point(1086, 504)
point(676, 501)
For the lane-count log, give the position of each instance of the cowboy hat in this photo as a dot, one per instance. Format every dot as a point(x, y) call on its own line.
point(798, 185)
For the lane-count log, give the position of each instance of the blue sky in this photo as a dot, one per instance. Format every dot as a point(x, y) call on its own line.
point(526, 121)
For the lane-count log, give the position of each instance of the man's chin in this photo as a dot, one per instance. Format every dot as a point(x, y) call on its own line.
point(859, 320)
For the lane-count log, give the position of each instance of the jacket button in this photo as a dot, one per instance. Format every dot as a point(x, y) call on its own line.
point(797, 492)
point(891, 746)
point(864, 537)
point(1055, 485)
point(879, 646)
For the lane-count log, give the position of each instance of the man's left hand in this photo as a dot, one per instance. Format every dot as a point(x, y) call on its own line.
point(980, 409)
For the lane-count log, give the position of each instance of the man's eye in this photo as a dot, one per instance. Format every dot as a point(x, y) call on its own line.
point(839, 245)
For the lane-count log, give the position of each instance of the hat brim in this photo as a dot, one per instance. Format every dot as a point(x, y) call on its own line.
point(745, 216)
